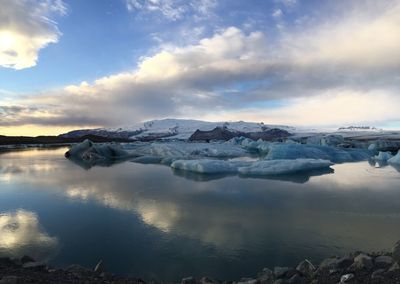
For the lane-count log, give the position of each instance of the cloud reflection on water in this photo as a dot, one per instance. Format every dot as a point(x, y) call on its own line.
point(230, 212)
point(21, 234)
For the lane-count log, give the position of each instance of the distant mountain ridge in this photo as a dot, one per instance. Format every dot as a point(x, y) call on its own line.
point(359, 128)
point(173, 129)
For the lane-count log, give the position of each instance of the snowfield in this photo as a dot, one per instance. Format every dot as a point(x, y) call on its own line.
point(178, 129)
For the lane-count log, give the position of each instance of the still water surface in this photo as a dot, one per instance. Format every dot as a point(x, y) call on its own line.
point(152, 222)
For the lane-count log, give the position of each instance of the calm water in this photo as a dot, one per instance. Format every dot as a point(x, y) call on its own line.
point(152, 222)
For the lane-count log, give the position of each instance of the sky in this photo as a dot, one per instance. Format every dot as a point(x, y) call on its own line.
point(70, 64)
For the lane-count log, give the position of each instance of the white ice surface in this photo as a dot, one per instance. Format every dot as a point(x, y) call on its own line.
point(395, 160)
point(184, 128)
point(383, 156)
point(276, 167)
point(270, 167)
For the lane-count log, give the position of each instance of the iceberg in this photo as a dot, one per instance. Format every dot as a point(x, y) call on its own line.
point(208, 166)
point(326, 140)
point(278, 167)
point(383, 156)
point(290, 150)
point(395, 160)
point(89, 151)
point(185, 150)
point(263, 167)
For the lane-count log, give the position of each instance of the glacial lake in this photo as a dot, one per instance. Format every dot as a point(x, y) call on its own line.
point(155, 223)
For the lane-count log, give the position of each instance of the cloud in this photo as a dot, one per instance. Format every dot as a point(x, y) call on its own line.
point(25, 29)
point(236, 75)
point(172, 9)
point(20, 234)
point(331, 108)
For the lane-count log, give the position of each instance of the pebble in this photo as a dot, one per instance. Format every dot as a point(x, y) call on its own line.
point(346, 278)
point(306, 268)
point(100, 267)
point(383, 261)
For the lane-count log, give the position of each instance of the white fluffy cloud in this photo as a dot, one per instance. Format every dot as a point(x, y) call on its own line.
point(333, 71)
point(26, 28)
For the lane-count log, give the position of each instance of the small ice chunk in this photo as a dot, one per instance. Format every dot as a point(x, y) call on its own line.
point(395, 159)
point(383, 156)
point(276, 167)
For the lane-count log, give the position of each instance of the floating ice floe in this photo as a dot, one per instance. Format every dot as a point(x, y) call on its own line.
point(383, 156)
point(90, 151)
point(263, 167)
point(395, 160)
point(277, 167)
point(185, 150)
point(292, 150)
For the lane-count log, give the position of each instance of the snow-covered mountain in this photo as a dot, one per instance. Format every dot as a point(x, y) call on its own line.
point(172, 128)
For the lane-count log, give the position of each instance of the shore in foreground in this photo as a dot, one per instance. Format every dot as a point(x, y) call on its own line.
point(355, 267)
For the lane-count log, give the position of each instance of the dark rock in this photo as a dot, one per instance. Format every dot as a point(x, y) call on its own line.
point(383, 261)
point(188, 280)
point(346, 278)
point(10, 280)
point(222, 133)
point(394, 269)
point(206, 280)
point(297, 279)
point(26, 259)
point(75, 268)
point(218, 133)
point(344, 262)
point(377, 274)
point(306, 268)
point(268, 135)
point(100, 267)
point(35, 265)
point(362, 261)
point(396, 252)
point(266, 276)
point(329, 263)
point(6, 261)
point(248, 281)
point(284, 272)
point(280, 281)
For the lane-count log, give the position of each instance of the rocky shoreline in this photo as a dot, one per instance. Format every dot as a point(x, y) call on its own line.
point(355, 267)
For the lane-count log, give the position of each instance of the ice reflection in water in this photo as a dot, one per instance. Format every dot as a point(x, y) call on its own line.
point(156, 222)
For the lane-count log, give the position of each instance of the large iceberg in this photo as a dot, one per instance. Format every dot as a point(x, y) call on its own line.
point(292, 150)
point(278, 167)
point(263, 167)
point(186, 150)
point(90, 151)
